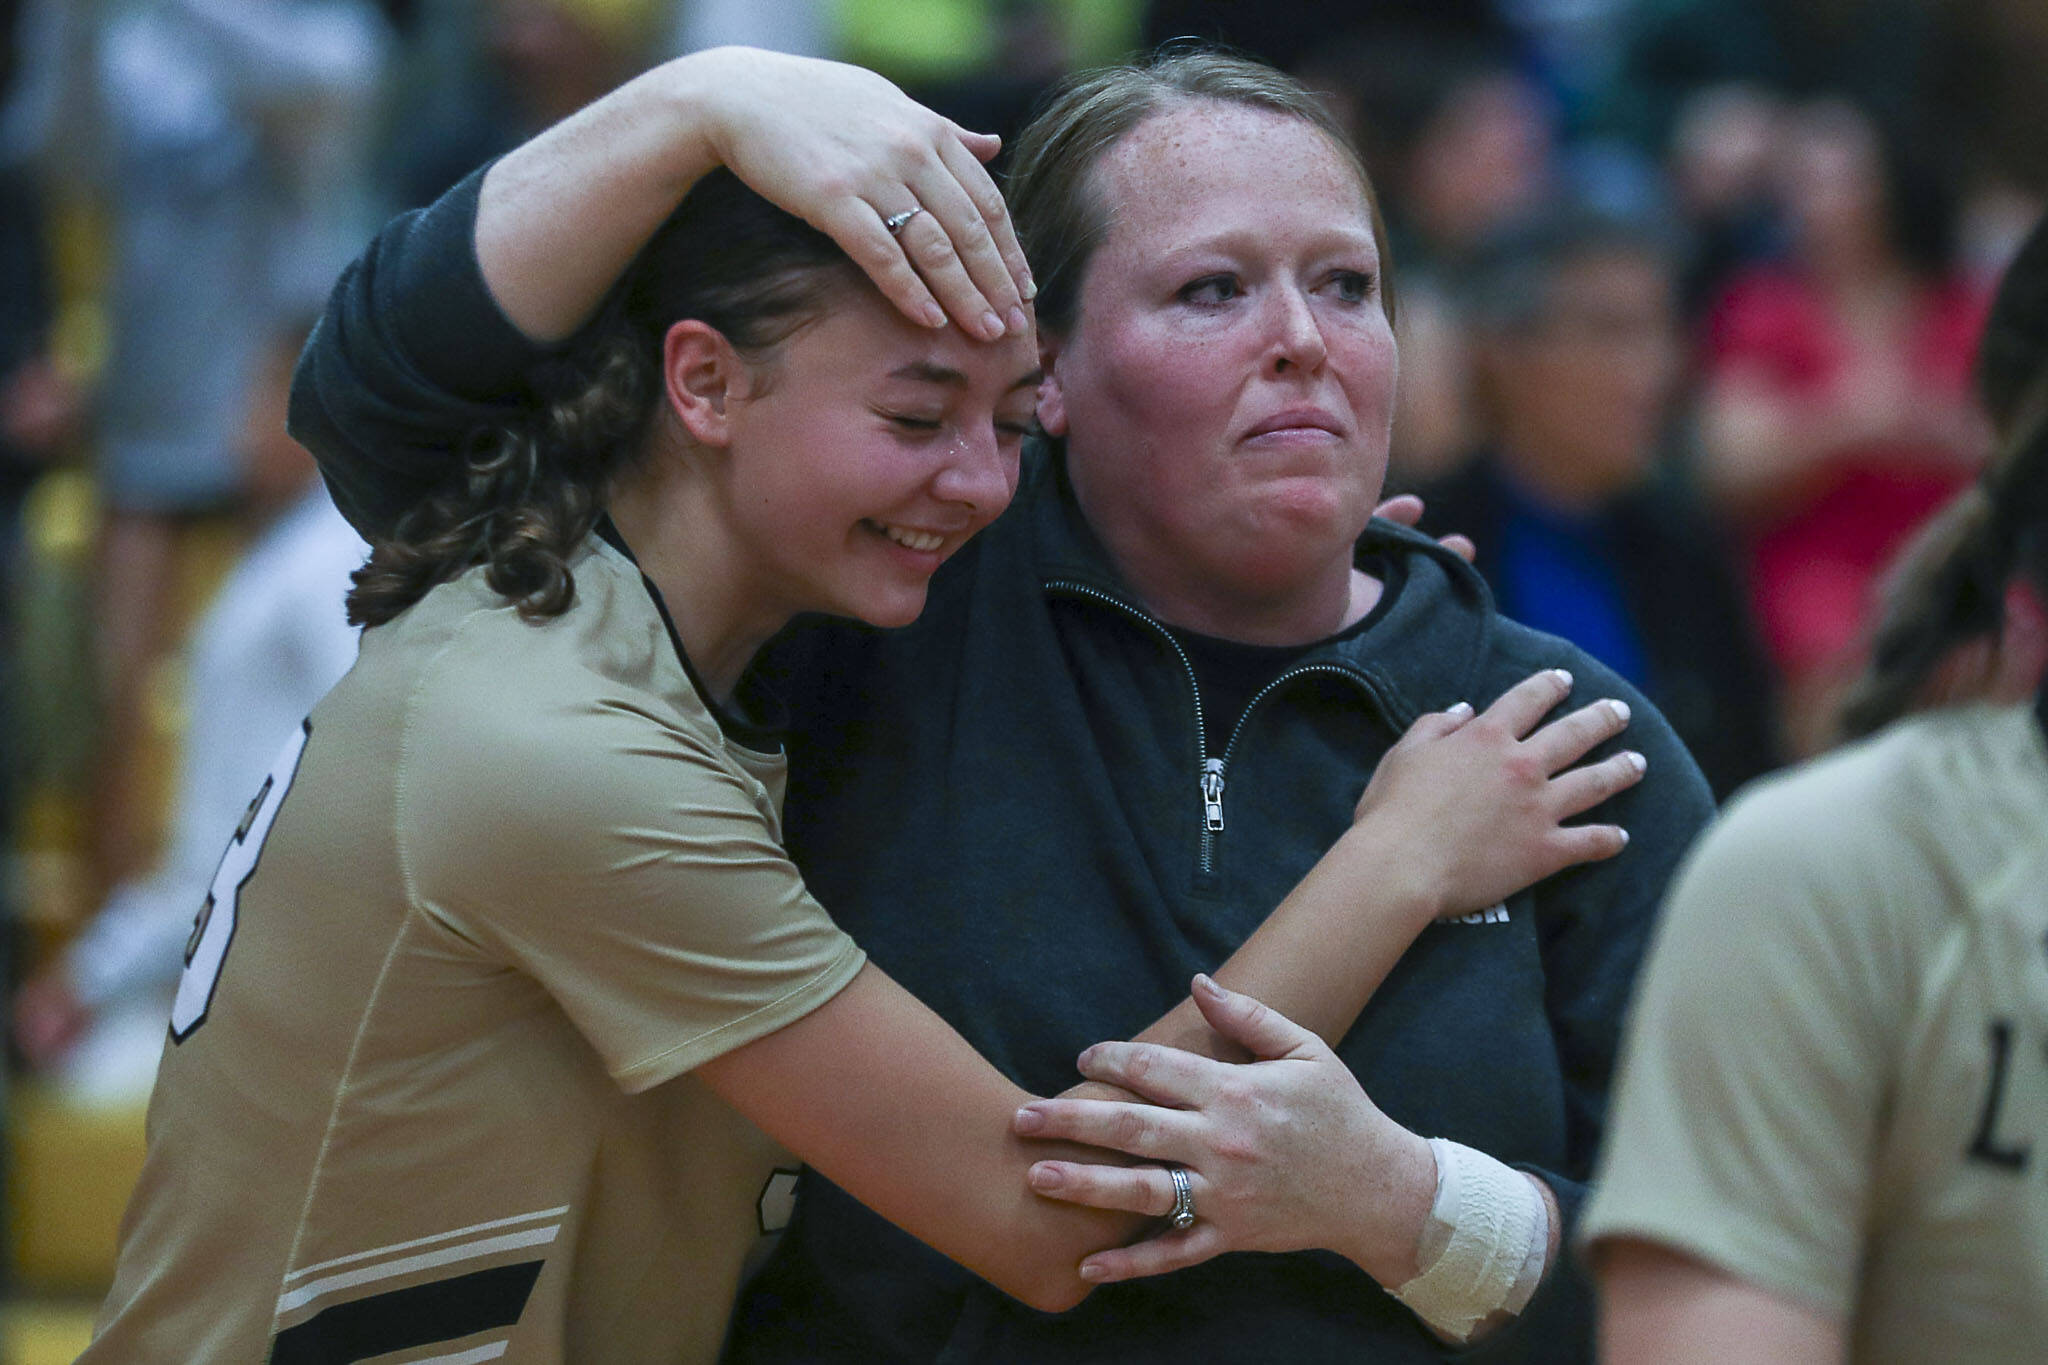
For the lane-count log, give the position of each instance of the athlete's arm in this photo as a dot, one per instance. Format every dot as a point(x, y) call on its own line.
point(561, 217)
point(1462, 813)
point(883, 1097)
point(1658, 1305)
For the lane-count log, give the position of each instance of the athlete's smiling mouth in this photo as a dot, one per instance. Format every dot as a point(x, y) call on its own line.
point(925, 542)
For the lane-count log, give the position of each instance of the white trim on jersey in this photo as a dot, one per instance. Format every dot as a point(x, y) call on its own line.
point(298, 1298)
point(429, 1240)
point(469, 1357)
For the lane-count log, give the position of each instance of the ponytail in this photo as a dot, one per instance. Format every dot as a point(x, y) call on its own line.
point(1948, 589)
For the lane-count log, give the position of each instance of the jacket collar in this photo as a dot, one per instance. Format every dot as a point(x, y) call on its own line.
point(1425, 654)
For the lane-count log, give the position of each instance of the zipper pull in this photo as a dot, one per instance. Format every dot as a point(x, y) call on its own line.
point(1212, 794)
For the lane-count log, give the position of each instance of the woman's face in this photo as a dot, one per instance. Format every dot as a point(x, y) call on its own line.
point(1227, 389)
point(866, 452)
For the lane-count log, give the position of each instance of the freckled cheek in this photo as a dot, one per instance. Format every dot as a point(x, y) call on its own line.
point(1370, 371)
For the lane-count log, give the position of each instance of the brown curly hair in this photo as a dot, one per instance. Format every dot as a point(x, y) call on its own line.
point(530, 490)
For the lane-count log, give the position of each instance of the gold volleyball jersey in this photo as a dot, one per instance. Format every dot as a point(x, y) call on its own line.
point(1835, 1084)
point(424, 1098)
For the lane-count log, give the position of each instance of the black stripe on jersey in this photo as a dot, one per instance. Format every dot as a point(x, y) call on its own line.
point(402, 1318)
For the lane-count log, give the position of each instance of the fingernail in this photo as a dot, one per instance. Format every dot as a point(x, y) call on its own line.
point(1028, 1120)
point(1093, 1273)
point(991, 326)
point(1458, 708)
point(1621, 711)
point(1637, 761)
point(1624, 837)
point(1087, 1056)
point(1019, 324)
point(1030, 287)
point(1043, 1177)
point(1205, 984)
point(1564, 676)
point(933, 315)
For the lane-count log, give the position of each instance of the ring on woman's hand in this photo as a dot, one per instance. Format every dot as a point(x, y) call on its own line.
point(895, 221)
point(1182, 1215)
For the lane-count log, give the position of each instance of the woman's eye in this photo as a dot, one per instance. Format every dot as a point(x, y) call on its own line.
point(906, 422)
point(1210, 289)
point(1353, 286)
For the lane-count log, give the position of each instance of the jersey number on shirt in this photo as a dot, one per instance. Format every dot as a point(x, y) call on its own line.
point(207, 950)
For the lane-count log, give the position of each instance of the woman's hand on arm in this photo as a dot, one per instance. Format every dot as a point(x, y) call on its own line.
point(1287, 1153)
point(1659, 1305)
point(876, 1092)
point(1283, 1153)
point(561, 217)
point(1463, 812)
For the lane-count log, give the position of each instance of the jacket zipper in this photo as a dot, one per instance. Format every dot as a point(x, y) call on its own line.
point(1211, 770)
point(1212, 807)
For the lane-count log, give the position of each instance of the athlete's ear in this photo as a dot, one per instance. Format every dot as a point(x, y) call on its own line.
point(701, 373)
point(1052, 400)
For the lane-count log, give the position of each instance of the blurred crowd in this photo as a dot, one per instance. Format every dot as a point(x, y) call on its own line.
point(1686, 295)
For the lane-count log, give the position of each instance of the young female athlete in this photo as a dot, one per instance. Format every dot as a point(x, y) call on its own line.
point(1829, 1128)
point(508, 950)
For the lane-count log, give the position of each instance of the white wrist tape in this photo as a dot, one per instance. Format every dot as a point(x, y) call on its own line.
point(1484, 1246)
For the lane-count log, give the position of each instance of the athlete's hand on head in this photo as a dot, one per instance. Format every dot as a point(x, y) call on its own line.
point(845, 150)
point(1480, 801)
point(1282, 1153)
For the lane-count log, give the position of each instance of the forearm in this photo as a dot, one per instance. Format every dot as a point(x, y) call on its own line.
point(562, 216)
point(1325, 949)
point(1461, 813)
point(875, 1091)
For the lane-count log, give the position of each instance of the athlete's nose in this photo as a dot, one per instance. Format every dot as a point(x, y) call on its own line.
point(979, 473)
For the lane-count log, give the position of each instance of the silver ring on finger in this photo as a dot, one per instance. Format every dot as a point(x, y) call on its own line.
point(1182, 1215)
point(895, 221)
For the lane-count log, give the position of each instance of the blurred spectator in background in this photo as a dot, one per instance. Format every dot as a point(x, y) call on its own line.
point(1837, 414)
point(485, 75)
point(271, 643)
point(39, 403)
point(228, 141)
point(1576, 352)
point(1294, 34)
point(804, 27)
point(1721, 157)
